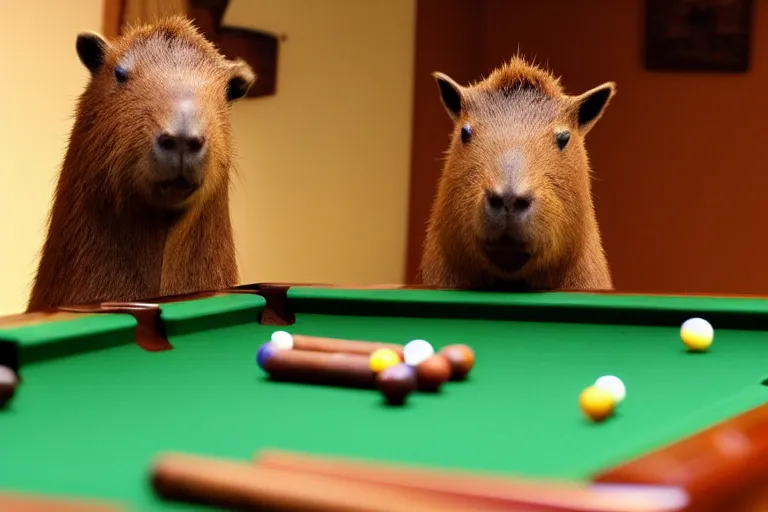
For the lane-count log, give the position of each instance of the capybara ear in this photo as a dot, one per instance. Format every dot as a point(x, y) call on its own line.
point(241, 79)
point(92, 49)
point(589, 106)
point(451, 94)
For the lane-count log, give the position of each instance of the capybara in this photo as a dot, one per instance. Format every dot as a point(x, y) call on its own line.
point(141, 207)
point(514, 206)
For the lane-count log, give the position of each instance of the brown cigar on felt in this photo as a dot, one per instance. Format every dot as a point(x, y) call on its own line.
point(320, 344)
point(18, 502)
point(243, 486)
point(346, 370)
point(483, 490)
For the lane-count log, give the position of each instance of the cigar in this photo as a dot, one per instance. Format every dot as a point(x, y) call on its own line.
point(340, 369)
point(320, 344)
point(243, 486)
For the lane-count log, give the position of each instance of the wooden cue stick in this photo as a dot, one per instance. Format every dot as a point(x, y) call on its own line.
point(491, 490)
point(24, 502)
point(324, 344)
point(244, 486)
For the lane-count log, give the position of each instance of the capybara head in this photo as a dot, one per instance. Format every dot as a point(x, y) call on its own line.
point(155, 114)
point(516, 182)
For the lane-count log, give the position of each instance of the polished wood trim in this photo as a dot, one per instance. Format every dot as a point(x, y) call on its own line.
point(496, 491)
point(567, 290)
point(149, 333)
point(277, 310)
point(717, 466)
point(37, 317)
point(279, 313)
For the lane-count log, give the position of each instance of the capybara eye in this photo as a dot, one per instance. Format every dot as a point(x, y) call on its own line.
point(121, 75)
point(237, 88)
point(466, 133)
point(562, 139)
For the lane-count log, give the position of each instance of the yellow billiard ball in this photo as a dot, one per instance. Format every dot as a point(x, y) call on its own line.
point(697, 334)
point(383, 358)
point(596, 403)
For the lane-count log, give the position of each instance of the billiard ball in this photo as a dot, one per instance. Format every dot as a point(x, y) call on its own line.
point(433, 372)
point(383, 358)
point(697, 334)
point(614, 386)
point(265, 352)
point(461, 359)
point(596, 403)
point(282, 340)
point(396, 383)
point(416, 351)
point(9, 381)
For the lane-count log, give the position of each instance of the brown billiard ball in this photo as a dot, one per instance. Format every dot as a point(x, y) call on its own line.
point(8, 384)
point(461, 359)
point(433, 372)
point(396, 383)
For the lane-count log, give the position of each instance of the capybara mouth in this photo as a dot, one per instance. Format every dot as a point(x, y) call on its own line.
point(507, 254)
point(177, 189)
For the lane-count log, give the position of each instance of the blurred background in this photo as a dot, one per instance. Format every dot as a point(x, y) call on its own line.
point(338, 165)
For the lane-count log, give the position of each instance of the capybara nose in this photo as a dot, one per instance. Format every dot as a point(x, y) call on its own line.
point(183, 147)
point(180, 146)
point(507, 203)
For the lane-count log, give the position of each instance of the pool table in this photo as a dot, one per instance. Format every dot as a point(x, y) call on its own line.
point(104, 388)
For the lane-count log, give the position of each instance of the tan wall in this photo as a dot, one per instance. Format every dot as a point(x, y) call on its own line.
point(679, 160)
point(323, 166)
point(41, 78)
point(325, 163)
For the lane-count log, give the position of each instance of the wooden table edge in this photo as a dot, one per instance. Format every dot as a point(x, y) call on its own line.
point(725, 461)
point(276, 295)
point(259, 286)
point(12, 501)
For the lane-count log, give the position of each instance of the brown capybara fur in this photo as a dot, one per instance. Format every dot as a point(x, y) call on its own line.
point(514, 203)
point(141, 208)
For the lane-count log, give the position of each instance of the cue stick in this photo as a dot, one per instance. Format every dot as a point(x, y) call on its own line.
point(18, 502)
point(492, 490)
point(244, 486)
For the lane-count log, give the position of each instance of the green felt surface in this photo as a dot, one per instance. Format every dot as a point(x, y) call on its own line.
point(91, 423)
point(56, 339)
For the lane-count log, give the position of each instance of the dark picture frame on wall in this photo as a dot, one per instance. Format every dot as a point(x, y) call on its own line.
point(260, 49)
point(698, 35)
